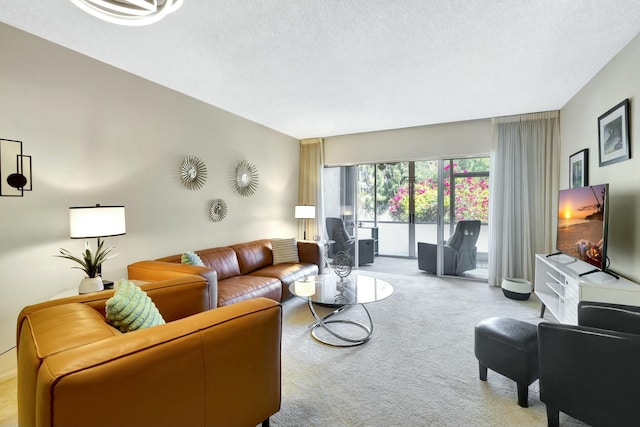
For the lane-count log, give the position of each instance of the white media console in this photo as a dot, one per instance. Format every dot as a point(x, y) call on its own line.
point(560, 287)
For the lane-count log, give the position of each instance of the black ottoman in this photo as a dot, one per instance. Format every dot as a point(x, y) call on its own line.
point(509, 347)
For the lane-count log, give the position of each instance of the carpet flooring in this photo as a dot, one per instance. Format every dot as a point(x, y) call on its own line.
point(8, 402)
point(418, 369)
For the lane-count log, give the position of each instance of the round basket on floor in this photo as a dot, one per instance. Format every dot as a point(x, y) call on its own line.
point(519, 289)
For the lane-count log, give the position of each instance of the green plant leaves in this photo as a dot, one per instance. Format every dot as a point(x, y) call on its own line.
point(90, 261)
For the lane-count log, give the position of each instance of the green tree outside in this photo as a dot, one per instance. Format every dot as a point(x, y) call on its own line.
point(471, 193)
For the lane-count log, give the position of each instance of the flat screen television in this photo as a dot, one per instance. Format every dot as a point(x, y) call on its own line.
point(582, 224)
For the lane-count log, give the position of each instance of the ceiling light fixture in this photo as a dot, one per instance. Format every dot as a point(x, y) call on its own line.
point(129, 12)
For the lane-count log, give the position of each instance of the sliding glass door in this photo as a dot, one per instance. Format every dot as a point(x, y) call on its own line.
point(399, 204)
point(340, 205)
point(447, 192)
point(429, 203)
point(392, 210)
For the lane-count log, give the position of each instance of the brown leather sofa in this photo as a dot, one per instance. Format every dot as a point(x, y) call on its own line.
point(238, 272)
point(203, 367)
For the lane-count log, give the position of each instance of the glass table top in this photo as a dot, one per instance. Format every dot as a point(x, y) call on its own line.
point(330, 289)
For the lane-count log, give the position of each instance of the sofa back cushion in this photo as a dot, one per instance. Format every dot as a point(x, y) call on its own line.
point(223, 260)
point(254, 255)
point(181, 297)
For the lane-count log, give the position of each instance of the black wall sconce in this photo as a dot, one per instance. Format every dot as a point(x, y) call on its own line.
point(15, 169)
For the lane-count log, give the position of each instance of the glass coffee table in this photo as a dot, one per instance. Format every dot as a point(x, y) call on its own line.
point(341, 294)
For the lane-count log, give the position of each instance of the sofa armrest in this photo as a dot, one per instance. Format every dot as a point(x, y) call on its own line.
point(160, 270)
point(311, 252)
point(219, 367)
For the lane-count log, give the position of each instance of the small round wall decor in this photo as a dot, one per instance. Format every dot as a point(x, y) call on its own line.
point(246, 178)
point(218, 210)
point(193, 173)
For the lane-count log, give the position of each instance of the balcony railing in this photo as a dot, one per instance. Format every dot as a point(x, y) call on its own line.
point(393, 237)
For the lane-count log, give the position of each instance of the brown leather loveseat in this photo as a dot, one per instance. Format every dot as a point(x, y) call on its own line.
point(238, 272)
point(202, 368)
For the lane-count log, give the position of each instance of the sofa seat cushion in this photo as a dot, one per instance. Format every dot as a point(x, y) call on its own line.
point(62, 327)
point(288, 273)
point(239, 288)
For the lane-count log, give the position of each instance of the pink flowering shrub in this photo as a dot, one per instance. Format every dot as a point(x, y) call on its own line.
point(471, 200)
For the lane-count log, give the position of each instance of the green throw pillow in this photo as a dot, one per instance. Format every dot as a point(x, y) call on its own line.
point(130, 308)
point(191, 258)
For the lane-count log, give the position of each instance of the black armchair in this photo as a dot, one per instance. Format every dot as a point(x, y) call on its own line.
point(460, 250)
point(591, 371)
point(344, 242)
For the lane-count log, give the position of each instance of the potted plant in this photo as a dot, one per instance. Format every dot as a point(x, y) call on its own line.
point(90, 263)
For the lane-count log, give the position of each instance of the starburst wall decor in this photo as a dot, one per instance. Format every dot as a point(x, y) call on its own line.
point(193, 173)
point(245, 179)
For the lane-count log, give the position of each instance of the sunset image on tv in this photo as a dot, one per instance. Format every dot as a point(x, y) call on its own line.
point(581, 221)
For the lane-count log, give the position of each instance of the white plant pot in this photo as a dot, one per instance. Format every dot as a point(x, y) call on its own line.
point(90, 284)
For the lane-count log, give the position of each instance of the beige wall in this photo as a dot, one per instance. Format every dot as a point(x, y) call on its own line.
point(448, 140)
point(620, 79)
point(100, 135)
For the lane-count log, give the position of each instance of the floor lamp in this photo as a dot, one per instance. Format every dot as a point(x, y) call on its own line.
point(305, 212)
point(97, 221)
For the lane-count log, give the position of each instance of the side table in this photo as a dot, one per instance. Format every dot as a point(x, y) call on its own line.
point(74, 291)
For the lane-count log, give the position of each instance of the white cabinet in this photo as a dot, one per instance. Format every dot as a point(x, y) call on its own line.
point(560, 287)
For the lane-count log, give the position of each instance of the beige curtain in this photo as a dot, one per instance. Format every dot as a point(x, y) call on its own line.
point(310, 186)
point(524, 187)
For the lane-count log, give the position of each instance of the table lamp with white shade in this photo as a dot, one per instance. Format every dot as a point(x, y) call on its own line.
point(305, 212)
point(97, 221)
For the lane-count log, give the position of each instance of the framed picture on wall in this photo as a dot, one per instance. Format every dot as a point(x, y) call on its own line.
point(579, 169)
point(613, 134)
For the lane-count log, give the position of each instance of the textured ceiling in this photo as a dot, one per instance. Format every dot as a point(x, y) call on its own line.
point(311, 68)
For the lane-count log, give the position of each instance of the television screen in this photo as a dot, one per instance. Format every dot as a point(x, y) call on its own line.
point(582, 224)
